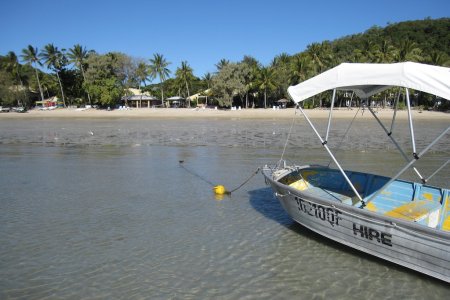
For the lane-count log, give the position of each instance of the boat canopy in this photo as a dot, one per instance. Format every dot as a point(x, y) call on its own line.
point(369, 79)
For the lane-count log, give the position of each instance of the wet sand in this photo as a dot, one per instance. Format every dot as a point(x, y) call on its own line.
point(217, 114)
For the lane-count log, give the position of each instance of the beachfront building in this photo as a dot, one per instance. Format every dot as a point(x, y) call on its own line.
point(135, 98)
point(200, 97)
point(176, 101)
point(51, 102)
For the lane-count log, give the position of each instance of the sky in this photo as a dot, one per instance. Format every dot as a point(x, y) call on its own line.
point(200, 32)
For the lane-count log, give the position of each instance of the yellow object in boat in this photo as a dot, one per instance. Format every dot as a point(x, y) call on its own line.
point(220, 190)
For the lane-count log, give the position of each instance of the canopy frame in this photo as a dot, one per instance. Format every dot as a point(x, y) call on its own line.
point(320, 83)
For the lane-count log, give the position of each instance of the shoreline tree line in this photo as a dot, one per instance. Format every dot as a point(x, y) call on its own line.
point(80, 76)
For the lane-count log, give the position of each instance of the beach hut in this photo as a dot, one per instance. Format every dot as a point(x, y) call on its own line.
point(135, 98)
point(198, 96)
point(176, 101)
point(283, 102)
point(51, 102)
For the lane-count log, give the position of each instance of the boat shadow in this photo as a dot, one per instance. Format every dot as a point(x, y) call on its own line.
point(264, 202)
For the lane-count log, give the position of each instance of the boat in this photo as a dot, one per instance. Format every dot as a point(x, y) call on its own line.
point(401, 221)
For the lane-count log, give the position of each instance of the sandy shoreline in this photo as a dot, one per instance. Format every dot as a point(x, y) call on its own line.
point(220, 114)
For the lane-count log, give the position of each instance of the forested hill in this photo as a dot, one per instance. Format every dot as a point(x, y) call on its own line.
point(428, 36)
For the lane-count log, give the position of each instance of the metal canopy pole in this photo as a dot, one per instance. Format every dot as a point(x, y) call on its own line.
point(437, 171)
point(324, 144)
point(389, 134)
point(329, 116)
point(406, 167)
point(411, 128)
point(395, 113)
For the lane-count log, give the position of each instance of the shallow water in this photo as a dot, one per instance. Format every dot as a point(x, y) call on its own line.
point(104, 209)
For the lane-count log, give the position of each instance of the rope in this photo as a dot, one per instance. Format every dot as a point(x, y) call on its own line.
point(196, 175)
point(247, 180)
point(289, 135)
point(212, 184)
point(346, 132)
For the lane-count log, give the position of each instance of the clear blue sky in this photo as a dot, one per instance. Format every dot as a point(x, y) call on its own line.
point(199, 31)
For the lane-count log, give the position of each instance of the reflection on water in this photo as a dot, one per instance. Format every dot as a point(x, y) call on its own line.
point(113, 214)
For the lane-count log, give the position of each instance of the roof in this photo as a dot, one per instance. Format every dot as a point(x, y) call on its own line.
point(136, 92)
point(175, 98)
point(203, 94)
point(369, 79)
point(138, 97)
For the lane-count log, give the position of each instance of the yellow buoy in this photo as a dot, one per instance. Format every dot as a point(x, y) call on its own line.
point(220, 190)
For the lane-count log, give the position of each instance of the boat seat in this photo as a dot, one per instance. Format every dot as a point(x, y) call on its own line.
point(396, 194)
point(421, 211)
point(303, 185)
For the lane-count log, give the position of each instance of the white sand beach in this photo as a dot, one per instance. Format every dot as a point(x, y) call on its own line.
point(212, 113)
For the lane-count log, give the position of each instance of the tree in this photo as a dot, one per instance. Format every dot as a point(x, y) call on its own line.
point(55, 59)
point(281, 74)
point(368, 51)
point(250, 79)
point(438, 58)
point(13, 67)
point(320, 54)
point(158, 67)
point(101, 80)
point(78, 55)
point(7, 95)
point(142, 73)
point(385, 52)
point(185, 75)
point(300, 69)
point(30, 56)
point(221, 64)
point(266, 82)
point(229, 82)
point(408, 51)
point(207, 78)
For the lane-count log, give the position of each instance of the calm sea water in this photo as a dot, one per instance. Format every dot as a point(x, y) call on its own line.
point(103, 209)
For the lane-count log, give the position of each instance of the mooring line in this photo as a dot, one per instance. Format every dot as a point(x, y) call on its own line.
point(219, 189)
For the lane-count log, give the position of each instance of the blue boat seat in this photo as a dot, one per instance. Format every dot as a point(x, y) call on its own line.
point(396, 194)
point(421, 211)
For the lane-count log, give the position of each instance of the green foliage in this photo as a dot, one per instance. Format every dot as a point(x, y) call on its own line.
point(7, 94)
point(104, 79)
point(230, 82)
point(106, 90)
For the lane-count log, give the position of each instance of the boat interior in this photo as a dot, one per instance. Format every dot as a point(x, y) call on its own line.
point(410, 201)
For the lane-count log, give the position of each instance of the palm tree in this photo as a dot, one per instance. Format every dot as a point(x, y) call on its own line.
point(208, 79)
point(266, 82)
point(408, 51)
point(386, 52)
point(320, 55)
point(30, 56)
point(142, 73)
point(185, 75)
point(300, 69)
point(252, 77)
point(367, 52)
point(78, 55)
point(438, 58)
point(281, 60)
point(222, 63)
point(13, 66)
point(158, 67)
point(54, 59)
